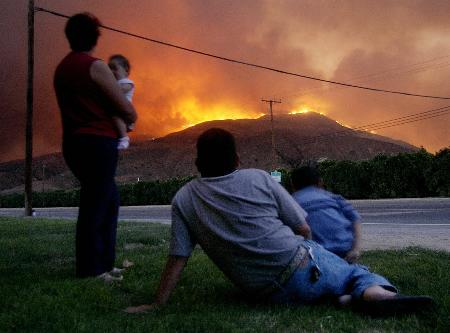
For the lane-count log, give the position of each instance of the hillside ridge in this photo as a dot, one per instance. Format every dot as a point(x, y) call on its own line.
point(298, 138)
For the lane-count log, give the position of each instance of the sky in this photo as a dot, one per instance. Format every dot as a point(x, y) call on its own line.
point(399, 45)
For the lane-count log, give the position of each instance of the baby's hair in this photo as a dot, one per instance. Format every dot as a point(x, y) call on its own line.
point(122, 60)
point(305, 176)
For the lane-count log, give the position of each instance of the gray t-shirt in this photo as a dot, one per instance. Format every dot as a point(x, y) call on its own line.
point(242, 221)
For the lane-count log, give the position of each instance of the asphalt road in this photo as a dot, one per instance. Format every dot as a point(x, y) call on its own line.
point(422, 211)
point(404, 211)
point(392, 223)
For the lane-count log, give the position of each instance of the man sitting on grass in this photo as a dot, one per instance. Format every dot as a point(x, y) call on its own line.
point(254, 231)
point(334, 223)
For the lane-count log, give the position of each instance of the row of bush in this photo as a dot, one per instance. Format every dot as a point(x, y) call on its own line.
point(133, 194)
point(407, 175)
point(411, 175)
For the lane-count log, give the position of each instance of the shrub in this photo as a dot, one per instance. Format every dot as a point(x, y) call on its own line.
point(438, 174)
point(417, 174)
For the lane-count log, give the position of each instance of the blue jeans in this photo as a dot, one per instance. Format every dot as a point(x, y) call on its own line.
point(337, 277)
point(93, 161)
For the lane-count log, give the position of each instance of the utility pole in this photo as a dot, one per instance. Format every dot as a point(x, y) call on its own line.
point(29, 113)
point(271, 102)
point(43, 184)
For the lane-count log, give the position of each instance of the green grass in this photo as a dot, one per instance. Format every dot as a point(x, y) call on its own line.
point(38, 291)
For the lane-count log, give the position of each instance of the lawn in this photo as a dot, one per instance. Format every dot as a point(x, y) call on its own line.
point(38, 291)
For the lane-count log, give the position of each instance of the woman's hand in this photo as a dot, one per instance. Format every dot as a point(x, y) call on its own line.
point(104, 78)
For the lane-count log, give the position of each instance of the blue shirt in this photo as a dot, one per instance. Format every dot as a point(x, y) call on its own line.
point(330, 217)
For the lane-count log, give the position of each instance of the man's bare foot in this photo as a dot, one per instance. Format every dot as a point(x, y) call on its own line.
point(376, 293)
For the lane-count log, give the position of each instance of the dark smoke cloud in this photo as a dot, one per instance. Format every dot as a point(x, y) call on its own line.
point(338, 40)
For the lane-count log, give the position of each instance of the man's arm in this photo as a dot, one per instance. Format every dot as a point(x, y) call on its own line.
point(289, 211)
point(104, 78)
point(303, 230)
point(169, 279)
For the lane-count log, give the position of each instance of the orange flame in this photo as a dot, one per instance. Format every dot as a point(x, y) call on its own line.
point(194, 112)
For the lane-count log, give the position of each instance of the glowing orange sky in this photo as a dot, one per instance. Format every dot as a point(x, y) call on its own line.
point(386, 44)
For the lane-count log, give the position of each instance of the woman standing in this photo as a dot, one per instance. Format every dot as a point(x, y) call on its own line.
point(88, 96)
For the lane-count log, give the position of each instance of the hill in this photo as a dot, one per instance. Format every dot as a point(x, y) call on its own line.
point(299, 137)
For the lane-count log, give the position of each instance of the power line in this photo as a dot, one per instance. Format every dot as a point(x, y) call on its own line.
point(248, 63)
point(325, 137)
point(380, 76)
point(377, 126)
point(348, 133)
point(408, 67)
point(389, 123)
point(382, 125)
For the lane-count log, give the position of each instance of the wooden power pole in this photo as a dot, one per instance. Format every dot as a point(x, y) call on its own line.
point(29, 114)
point(271, 102)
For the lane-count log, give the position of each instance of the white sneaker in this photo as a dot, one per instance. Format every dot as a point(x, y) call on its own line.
point(124, 142)
point(116, 272)
point(108, 278)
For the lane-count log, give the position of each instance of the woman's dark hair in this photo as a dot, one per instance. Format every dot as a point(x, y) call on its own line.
point(304, 176)
point(216, 153)
point(122, 61)
point(82, 31)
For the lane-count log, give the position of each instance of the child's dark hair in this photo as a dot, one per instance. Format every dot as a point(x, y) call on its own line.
point(82, 32)
point(305, 176)
point(122, 61)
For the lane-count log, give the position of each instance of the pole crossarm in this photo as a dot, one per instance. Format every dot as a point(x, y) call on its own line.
point(271, 100)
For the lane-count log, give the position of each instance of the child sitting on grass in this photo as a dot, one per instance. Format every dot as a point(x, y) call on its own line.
point(120, 66)
point(333, 221)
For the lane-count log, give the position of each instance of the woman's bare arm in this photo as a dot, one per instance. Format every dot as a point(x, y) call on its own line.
point(102, 75)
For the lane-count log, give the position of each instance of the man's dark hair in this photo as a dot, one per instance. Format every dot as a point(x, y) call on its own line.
point(82, 31)
point(305, 176)
point(216, 153)
point(122, 61)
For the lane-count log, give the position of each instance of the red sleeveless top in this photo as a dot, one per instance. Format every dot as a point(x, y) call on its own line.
point(85, 109)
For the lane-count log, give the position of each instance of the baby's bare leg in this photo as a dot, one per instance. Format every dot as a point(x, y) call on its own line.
point(124, 140)
point(121, 126)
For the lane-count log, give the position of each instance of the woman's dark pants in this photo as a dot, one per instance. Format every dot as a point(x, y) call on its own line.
point(93, 161)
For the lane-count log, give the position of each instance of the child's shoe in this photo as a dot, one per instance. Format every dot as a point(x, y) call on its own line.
point(124, 142)
point(116, 272)
point(108, 278)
